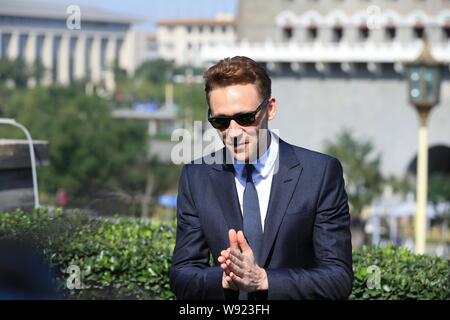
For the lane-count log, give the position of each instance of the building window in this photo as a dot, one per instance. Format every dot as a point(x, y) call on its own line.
point(72, 45)
point(312, 33)
point(363, 32)
point(151, 46)
point(446, 32)
point(118, 49)
point(288, 33)
point(87, 57)
point(103, 45)
point(22, 43)
point(189, 46)
point(418, 32)
point(390, 32)
point(55, 58)
point(39, 45)
point(211, 29)
point(224, 29)
point(337, 34)
point(200, 29)
point(6, 37)
point(189, 29)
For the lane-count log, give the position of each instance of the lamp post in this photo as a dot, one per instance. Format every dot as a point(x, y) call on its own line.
point(424, 81)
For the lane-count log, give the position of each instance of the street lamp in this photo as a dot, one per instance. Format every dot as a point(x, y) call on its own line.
point(424, 81)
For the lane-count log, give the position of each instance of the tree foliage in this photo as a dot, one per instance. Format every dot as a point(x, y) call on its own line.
point(88, 149)
point(156, 71)
point(439, 188)
point(149, 84)
point(19, 72)
point(93, 156)
point(364, 181)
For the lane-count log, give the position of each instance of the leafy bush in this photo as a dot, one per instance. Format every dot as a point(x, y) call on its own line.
point(402, 274)
point(122, 259)
point(131, 259)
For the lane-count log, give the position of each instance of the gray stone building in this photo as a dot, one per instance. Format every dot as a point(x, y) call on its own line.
point(337, 64)
point(72, 42)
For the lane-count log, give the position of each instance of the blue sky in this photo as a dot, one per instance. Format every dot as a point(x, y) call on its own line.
point(153, 10)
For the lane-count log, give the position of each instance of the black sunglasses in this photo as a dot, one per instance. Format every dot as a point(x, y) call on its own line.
point(244, 119)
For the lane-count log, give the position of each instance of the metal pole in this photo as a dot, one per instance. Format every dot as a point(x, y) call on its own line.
point(376, 235)
point(422, 186)
point(169, 94)
point(32, 156)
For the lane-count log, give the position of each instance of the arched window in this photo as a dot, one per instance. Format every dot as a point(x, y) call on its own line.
point(288, 32)
point(312, 32)
point(418, 31)
point(337, 33)
point(438, 161)
point(390, 32)
point(363, 32)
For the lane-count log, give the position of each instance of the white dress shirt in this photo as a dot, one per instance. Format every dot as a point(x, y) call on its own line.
point(262, 177)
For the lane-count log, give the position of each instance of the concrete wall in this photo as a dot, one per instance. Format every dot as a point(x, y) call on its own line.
point(311, 110)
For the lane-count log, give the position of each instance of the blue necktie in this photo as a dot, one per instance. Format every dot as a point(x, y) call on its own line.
point(252, 217)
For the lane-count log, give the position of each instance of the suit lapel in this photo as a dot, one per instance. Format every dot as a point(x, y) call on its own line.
point(223, 184)
point(283, 186)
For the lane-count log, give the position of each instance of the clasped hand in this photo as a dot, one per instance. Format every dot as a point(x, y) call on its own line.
point(240, 271)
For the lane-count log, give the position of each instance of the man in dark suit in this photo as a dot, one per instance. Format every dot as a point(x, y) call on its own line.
point(265, 219)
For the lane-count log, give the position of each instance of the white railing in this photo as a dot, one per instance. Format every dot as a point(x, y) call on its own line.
point(378, 52)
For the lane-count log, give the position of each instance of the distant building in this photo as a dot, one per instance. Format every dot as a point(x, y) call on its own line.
point(151, 47)
point(181, 40)
point(161, 121)
point(42, 31)
point(337, 64)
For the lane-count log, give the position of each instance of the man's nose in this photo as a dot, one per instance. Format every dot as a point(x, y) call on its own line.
point(234, 130)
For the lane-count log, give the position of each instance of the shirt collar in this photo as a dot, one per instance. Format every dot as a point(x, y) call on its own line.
point(265, 163)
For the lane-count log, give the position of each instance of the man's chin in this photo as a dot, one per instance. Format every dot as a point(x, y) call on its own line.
point(240, 156)
point(236, 154)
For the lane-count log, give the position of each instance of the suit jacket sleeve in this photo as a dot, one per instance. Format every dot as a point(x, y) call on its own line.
point(191, 276)
point(331, 277)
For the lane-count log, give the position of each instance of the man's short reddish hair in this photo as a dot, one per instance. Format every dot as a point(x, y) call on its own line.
point(237, 70)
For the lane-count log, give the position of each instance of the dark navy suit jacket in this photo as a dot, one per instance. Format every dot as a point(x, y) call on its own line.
point(307, 243)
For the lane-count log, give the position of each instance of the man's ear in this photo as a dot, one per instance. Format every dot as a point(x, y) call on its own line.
point(271, 108)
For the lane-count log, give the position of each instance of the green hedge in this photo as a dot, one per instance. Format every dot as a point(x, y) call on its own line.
point(403, 275)
point(125, 258)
